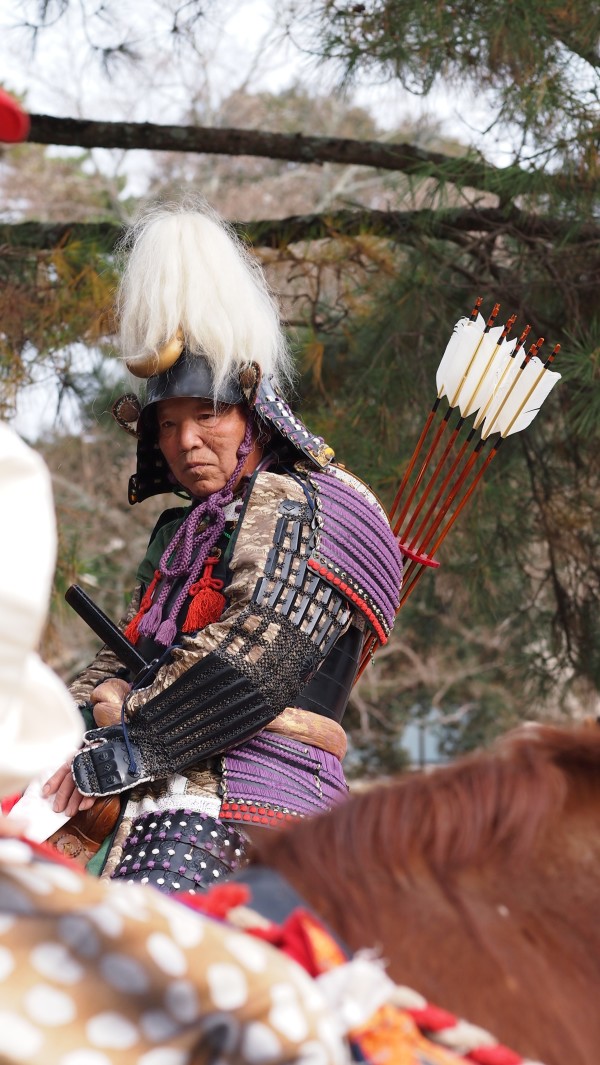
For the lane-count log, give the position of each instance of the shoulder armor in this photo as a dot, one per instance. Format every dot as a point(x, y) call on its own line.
point(355, 549)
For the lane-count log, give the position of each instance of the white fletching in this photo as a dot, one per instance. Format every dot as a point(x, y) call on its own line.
point(477, 372)
point(466, 335)
point(519, 399)
point(498, 381)
point(472, 394)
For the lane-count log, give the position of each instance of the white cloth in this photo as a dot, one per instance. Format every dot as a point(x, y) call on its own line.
point(39, 722)
point(37, 820)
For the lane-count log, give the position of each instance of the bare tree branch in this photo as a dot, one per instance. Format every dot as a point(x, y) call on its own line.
point(294, 147)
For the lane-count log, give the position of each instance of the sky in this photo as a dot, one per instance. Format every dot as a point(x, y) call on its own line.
point(61, 80)
point(238, 43)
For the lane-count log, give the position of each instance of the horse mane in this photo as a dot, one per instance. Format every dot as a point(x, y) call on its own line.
point(488, 804)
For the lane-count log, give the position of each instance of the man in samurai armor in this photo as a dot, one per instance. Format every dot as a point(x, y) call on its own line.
point(254, 598)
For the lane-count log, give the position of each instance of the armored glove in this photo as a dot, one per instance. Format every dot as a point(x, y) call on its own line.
point(211, 707)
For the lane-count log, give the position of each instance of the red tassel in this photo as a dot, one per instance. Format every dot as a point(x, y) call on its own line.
point(207, 603)
point(218, 900)
point(131, 631)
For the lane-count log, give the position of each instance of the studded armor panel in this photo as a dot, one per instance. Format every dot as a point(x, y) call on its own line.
point(179, 850)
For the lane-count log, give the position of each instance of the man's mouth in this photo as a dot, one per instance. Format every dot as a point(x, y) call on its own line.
point(196, 466)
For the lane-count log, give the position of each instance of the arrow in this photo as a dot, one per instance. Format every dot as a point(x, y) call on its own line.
point(480, 374)
point(521, 404)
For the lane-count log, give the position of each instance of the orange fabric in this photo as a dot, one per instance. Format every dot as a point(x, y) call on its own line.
point(323, 948)
point(392, 1038)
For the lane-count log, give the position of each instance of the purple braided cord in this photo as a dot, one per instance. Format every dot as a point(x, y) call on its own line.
point(190, 547)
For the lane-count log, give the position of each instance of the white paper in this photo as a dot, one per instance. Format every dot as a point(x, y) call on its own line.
point(38, 819)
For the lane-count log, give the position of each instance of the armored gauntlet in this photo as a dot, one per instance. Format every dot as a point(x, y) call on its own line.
point(210, 708)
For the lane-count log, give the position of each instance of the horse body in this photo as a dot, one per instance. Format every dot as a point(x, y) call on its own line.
point(478, 883)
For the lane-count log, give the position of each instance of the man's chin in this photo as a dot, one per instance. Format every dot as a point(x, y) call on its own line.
point(201, 487)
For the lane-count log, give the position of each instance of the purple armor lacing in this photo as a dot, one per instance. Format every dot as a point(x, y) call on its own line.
point(283, 772)
point(355, 537)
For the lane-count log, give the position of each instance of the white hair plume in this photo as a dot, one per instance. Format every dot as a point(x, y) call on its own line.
point(187, 269)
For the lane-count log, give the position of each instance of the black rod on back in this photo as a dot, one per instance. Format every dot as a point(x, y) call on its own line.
point(109, 633)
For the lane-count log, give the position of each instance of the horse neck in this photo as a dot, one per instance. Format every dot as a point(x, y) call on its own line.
point(509, 937)
point(512, 828)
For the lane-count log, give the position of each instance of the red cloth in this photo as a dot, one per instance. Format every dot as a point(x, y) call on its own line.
point(433, 1019)
point(14, 123)
point(219, 900)
point(301, 936)
point(7, 803)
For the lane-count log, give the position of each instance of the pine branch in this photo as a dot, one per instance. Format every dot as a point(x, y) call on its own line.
point(404, 227)
point(295, 147)
point(579, 43)
point(407, 226)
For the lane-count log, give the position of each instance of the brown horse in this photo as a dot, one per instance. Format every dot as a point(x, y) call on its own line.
point(479, 883)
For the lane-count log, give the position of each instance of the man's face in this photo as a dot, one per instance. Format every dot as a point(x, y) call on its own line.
point(200, 443)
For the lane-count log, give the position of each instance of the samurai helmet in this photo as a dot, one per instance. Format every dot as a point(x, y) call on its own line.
point(198, 321)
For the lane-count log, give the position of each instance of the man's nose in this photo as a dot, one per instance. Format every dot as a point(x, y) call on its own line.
point(190, 435)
